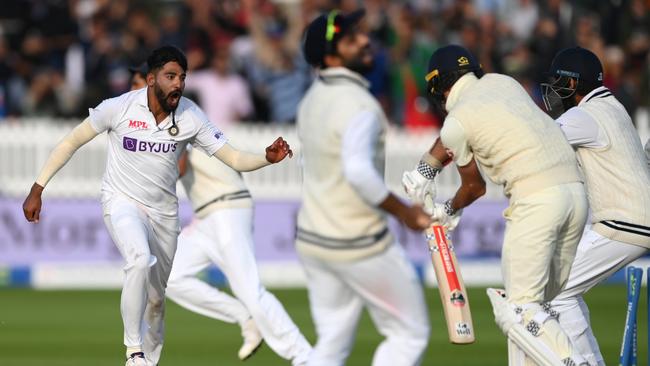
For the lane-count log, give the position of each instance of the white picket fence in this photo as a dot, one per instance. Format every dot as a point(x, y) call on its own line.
point(25, 145)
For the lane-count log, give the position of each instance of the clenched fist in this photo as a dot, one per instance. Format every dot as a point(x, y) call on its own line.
point(278, 150)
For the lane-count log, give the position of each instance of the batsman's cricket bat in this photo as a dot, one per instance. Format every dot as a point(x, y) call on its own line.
point(451, 286)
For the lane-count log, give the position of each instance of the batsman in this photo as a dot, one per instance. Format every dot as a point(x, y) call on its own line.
point(491, 123)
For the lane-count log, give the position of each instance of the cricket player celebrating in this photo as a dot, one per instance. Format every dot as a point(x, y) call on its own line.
point(350, 258)
point(617, 178)
point(147, 130)
point(222, 235)
point(494, 124)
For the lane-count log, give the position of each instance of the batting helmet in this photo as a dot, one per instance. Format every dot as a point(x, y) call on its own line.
point(575, 63)
point(446, 66)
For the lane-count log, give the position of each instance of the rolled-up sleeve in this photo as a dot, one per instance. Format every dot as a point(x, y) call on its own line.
point(358, 149)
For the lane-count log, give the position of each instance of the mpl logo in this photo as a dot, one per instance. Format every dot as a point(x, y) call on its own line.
point(139, 125)
point(134, 145)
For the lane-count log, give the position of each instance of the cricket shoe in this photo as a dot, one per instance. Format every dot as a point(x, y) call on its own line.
point(136, 359)
point(252, 339)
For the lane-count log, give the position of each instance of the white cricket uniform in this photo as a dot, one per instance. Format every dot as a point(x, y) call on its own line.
point(140, 204)
point(222, 234)
point(350, 258)
point(617, 178)
point(494, 121)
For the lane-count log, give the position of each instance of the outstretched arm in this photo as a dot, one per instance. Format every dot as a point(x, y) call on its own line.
point(79, 136)
point(243, 161)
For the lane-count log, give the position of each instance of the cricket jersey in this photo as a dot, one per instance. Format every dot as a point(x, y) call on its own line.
point(142, 155)
point(335, 221)
point(517, 145)
point(210, 185)
point(614, 166)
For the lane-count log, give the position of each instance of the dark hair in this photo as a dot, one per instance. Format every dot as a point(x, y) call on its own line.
point(162, 55)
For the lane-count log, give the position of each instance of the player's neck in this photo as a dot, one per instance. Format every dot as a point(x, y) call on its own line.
point(159, 113)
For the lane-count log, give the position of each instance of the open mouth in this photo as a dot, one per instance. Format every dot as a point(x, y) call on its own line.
point(174, 97)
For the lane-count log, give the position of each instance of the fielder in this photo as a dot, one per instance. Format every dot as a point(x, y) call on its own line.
point(147, 130)
point(493, 123)
point(222, 235)
point(617, 178)
point(351, 259)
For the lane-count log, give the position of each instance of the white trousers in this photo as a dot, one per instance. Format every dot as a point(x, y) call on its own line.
point(147, 243)
point(540, 241)
point(387, 285)
point(225, 239)
point(597, 258)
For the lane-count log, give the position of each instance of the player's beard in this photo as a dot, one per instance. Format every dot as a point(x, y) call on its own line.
point(359, 63)
point(164, 100)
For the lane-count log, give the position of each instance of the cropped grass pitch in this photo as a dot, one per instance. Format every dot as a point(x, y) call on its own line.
point(69, 328)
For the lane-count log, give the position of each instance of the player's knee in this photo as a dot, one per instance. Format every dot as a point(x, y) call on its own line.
point(417, 337)
point(156, 304)
point(140, 262)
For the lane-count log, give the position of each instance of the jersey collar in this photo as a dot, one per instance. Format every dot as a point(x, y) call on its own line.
point(141, 97)
point(601, 91)
point(342, 74)
point(458, 88)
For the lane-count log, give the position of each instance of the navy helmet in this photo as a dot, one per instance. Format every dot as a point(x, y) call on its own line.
point(574, 63)
point(322, 34)
point(446, 65)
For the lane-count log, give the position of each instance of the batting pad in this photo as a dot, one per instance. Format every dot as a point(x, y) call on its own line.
point(515, 331)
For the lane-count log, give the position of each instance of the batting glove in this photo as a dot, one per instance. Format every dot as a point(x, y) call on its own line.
point(444, 215)
point(419, 184)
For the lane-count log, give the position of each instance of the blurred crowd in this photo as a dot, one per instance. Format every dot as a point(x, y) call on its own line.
point(59, 57)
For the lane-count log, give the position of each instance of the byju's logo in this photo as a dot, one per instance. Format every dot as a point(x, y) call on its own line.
point(129, 143)
point(132, 144)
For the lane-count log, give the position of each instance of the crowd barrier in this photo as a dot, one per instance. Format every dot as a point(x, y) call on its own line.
point(70, 247)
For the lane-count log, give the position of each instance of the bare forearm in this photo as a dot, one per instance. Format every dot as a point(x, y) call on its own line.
point(393, 206)
point(466, 195)
point(439, 153)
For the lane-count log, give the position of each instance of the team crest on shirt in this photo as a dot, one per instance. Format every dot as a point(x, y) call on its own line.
point(218, 135)
point(138, 125)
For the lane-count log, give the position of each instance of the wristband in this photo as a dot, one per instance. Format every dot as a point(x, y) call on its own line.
point(448, 209)
point(427, 170)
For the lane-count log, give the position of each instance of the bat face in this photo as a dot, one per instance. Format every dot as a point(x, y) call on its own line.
point(451, 286)
point(457, 298)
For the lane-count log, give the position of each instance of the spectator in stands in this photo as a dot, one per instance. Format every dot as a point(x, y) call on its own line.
point(278, 70)
point(223, 95)
point(410, 54)
point(90, 45)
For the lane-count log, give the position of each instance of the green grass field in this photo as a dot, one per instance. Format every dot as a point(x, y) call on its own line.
point(70, 328)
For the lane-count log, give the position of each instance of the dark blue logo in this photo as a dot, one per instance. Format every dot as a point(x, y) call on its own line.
point(129, 143)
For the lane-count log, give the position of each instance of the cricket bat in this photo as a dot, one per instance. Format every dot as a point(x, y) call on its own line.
point(451, 286)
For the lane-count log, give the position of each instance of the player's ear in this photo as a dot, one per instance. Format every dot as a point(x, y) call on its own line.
point(151, 79)
point(332, 61)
